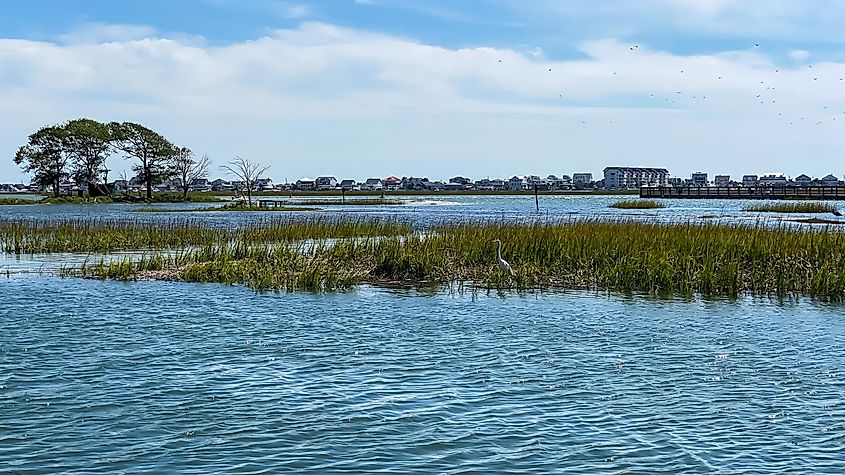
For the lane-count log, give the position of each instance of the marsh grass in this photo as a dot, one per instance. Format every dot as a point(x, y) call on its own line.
point(625, 256)
point(808, 207)
point(637, 204)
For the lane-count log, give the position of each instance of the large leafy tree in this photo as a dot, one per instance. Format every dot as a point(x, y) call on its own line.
point(187, 168)
point(153, 152)
point(45, 156)
point(87, 143)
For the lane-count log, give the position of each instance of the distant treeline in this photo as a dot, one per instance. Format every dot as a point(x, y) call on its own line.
point(78, 150)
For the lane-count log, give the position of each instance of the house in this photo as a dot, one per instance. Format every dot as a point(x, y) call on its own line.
point(414, 184)
point(517, 184)
point(749, 180)
point(435, 185)
point(722, 181)
point(392, 183)
point(238, 185)
point(830, 180)
point(803, 180)
point(306, 184)
point(487, 184)
point(773, 179)
point(221, 185)
point(200, 184)
point(372, 184)
point(263, 184)
point(699, 179)
point(623, 178)
point(325, 183)
point(675, 181)
point(582, 178)
point(349, 185)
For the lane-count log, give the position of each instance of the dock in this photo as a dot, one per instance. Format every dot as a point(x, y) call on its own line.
point(745, 193)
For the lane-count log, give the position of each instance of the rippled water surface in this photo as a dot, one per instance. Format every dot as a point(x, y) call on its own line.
point(425, 210)
point(165, 377)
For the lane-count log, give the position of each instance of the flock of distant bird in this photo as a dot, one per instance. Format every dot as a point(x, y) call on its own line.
point(763, 96)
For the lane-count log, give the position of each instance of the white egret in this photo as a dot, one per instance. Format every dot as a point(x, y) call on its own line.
point(503, 264)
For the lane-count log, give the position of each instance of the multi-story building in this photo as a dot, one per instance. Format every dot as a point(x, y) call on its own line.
point(621, 178)
point(582, 178)
point(773, 179)
point(749, 180)
point(699, 179)
point(723, 181)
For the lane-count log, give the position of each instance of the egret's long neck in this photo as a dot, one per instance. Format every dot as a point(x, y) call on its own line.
point(499, 252)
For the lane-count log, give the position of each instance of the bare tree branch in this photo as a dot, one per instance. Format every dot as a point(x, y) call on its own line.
point(246, 171)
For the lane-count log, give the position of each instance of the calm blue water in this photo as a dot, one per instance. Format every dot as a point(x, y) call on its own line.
point(158, 377)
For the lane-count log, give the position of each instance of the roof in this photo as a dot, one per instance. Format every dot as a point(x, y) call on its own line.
point(638, 169)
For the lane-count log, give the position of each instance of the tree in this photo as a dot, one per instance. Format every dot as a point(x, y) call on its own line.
point(246, 171)
point(87, 144)
point(44, 155)
point(187, 169)
point(153, 152)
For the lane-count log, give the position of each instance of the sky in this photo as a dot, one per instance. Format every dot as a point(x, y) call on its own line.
point(478, 88)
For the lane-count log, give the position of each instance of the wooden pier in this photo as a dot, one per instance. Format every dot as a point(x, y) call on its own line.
point(745, 193)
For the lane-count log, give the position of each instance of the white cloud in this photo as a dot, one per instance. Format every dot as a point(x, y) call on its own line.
point(799, 54)
point(292, 11)
point(102, 33)
point(325, 99)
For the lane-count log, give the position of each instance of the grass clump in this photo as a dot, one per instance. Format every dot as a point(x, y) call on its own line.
point(17, 201)
point(625, 256)
point(637, 204)
point(808, 207)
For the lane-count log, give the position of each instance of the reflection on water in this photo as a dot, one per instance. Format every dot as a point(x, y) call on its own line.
point(164, 377)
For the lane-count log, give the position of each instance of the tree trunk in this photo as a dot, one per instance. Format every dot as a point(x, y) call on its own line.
point(149, 180)
point(56, 188)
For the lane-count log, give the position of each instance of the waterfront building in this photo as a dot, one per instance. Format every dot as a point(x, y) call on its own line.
point(675, 181)
point(306, 184)
point(582, 178)
point(773, 179)
point(803, 180)
point(749, 180)
point(392, 183)
point(830, 180)
point(517, 183)
point(699, 179)
point(722, 180)
point(349, 185)
point(372, 184)
point(622, 178)
point(325, 183)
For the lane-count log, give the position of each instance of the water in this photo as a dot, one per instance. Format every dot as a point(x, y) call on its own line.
point(425, 210)
point(165, 377)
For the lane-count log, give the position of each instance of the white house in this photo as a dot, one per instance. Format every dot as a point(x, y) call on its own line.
point(349, 185)
point(372, 184)
point(306, 184)
point(324, 183)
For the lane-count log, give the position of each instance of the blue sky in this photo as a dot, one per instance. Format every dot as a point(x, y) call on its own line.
point(438, 88)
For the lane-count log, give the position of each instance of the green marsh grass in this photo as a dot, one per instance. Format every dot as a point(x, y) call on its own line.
point(625, 256)
point(637, 204)
point(808, 207)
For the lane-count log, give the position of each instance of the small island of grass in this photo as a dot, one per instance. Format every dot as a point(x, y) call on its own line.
point(637, 204)
point(808, 207)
